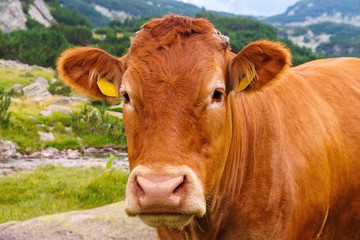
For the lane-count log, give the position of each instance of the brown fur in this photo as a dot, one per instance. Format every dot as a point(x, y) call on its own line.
point(280, 160)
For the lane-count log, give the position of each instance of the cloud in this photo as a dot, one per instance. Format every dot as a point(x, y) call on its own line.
point(246, 7)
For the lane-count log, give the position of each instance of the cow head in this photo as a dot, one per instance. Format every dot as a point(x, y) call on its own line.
point(178, 81)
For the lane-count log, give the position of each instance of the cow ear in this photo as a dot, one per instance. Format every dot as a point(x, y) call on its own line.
point(92, 72)
point(257, 64)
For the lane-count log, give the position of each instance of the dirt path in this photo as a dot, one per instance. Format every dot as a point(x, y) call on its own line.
point(107, 222)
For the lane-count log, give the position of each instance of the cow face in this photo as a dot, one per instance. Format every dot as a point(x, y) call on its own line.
point(177, 91)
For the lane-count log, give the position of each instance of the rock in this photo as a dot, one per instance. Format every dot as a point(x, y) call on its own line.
point(18, 156)
point(45, 113)
point(41, 7)
point(12, 16)
point(7, 149)
point(72, 154)
point(91, 150)
point(17, 87)
point(57, 108)
point(107, 222)
point(50, 153)
point(54, 150)
point(34, 155)
point(17, 64)
point(79, 99)
point(36, 90)
point(39, 12)
point(42, 81)
point(46, 137)
point(62, 101)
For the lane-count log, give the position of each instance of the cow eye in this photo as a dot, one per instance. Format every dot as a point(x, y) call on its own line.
point(126, 97)
point(217, 95)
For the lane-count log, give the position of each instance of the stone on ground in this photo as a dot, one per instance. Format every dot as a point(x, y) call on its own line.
point(36, 90)
point(57, 108)
point(107, 222)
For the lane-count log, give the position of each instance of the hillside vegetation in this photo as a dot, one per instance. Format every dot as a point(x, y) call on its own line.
point(134, 8)
point(304, 10)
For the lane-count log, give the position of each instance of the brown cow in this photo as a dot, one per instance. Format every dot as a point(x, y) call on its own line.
point(225, 146)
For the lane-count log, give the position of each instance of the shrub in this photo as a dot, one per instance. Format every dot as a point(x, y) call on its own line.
point(98, 123)
point(5, 101)
point(58, 88)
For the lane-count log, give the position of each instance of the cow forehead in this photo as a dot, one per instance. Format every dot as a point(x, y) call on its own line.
point(192, 85)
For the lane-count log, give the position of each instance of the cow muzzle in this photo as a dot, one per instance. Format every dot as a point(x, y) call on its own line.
point(169, 196)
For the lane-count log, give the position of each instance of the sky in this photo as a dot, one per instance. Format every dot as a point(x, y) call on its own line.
point(246, 7)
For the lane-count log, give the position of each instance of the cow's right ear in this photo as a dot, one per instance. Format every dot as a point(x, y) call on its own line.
point(92, 72)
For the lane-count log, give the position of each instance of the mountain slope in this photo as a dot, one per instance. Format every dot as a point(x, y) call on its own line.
point(306, 12)
point(101, 11)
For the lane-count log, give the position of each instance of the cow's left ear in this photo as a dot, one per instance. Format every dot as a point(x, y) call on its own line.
point(257, 64)
point(92, 71)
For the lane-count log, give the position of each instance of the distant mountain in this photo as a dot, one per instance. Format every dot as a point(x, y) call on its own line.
point(328, 27)
point(307, 12)
point(101, 11)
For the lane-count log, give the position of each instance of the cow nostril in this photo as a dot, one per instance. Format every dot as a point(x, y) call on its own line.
point(140, 191)
point(180, 188)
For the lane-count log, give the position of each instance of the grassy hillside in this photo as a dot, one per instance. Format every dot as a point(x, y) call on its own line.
point(136, 8)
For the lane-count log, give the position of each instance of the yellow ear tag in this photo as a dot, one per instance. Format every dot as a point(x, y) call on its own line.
point(106, 87)
point(244, 82)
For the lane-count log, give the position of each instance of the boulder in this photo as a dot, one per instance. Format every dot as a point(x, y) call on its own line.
point(45, 113)
point(72, 154)
point(34, 155)
point(57, 108)
point(17, 87)
point(36, 90)
point(7, 149)
point(12, 16)
point(50, 153)
point(63, 101)
point(107, 222)
point(46, 137)
point(78, 99)
point(39, 12)
point(42, 81)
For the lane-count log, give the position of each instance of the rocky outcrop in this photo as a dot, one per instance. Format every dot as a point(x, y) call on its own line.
point(12, 16)
point(17, 64)
point(112, 14)
point(57, 108)
point(36, 90)
point(62, 101)
point(108, 222)
point(46, 136)
point(39, 12)
point(7, 149)
point(41, 81)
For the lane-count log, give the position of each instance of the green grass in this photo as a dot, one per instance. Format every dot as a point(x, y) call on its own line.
point(9, 76)
point(51, 189)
